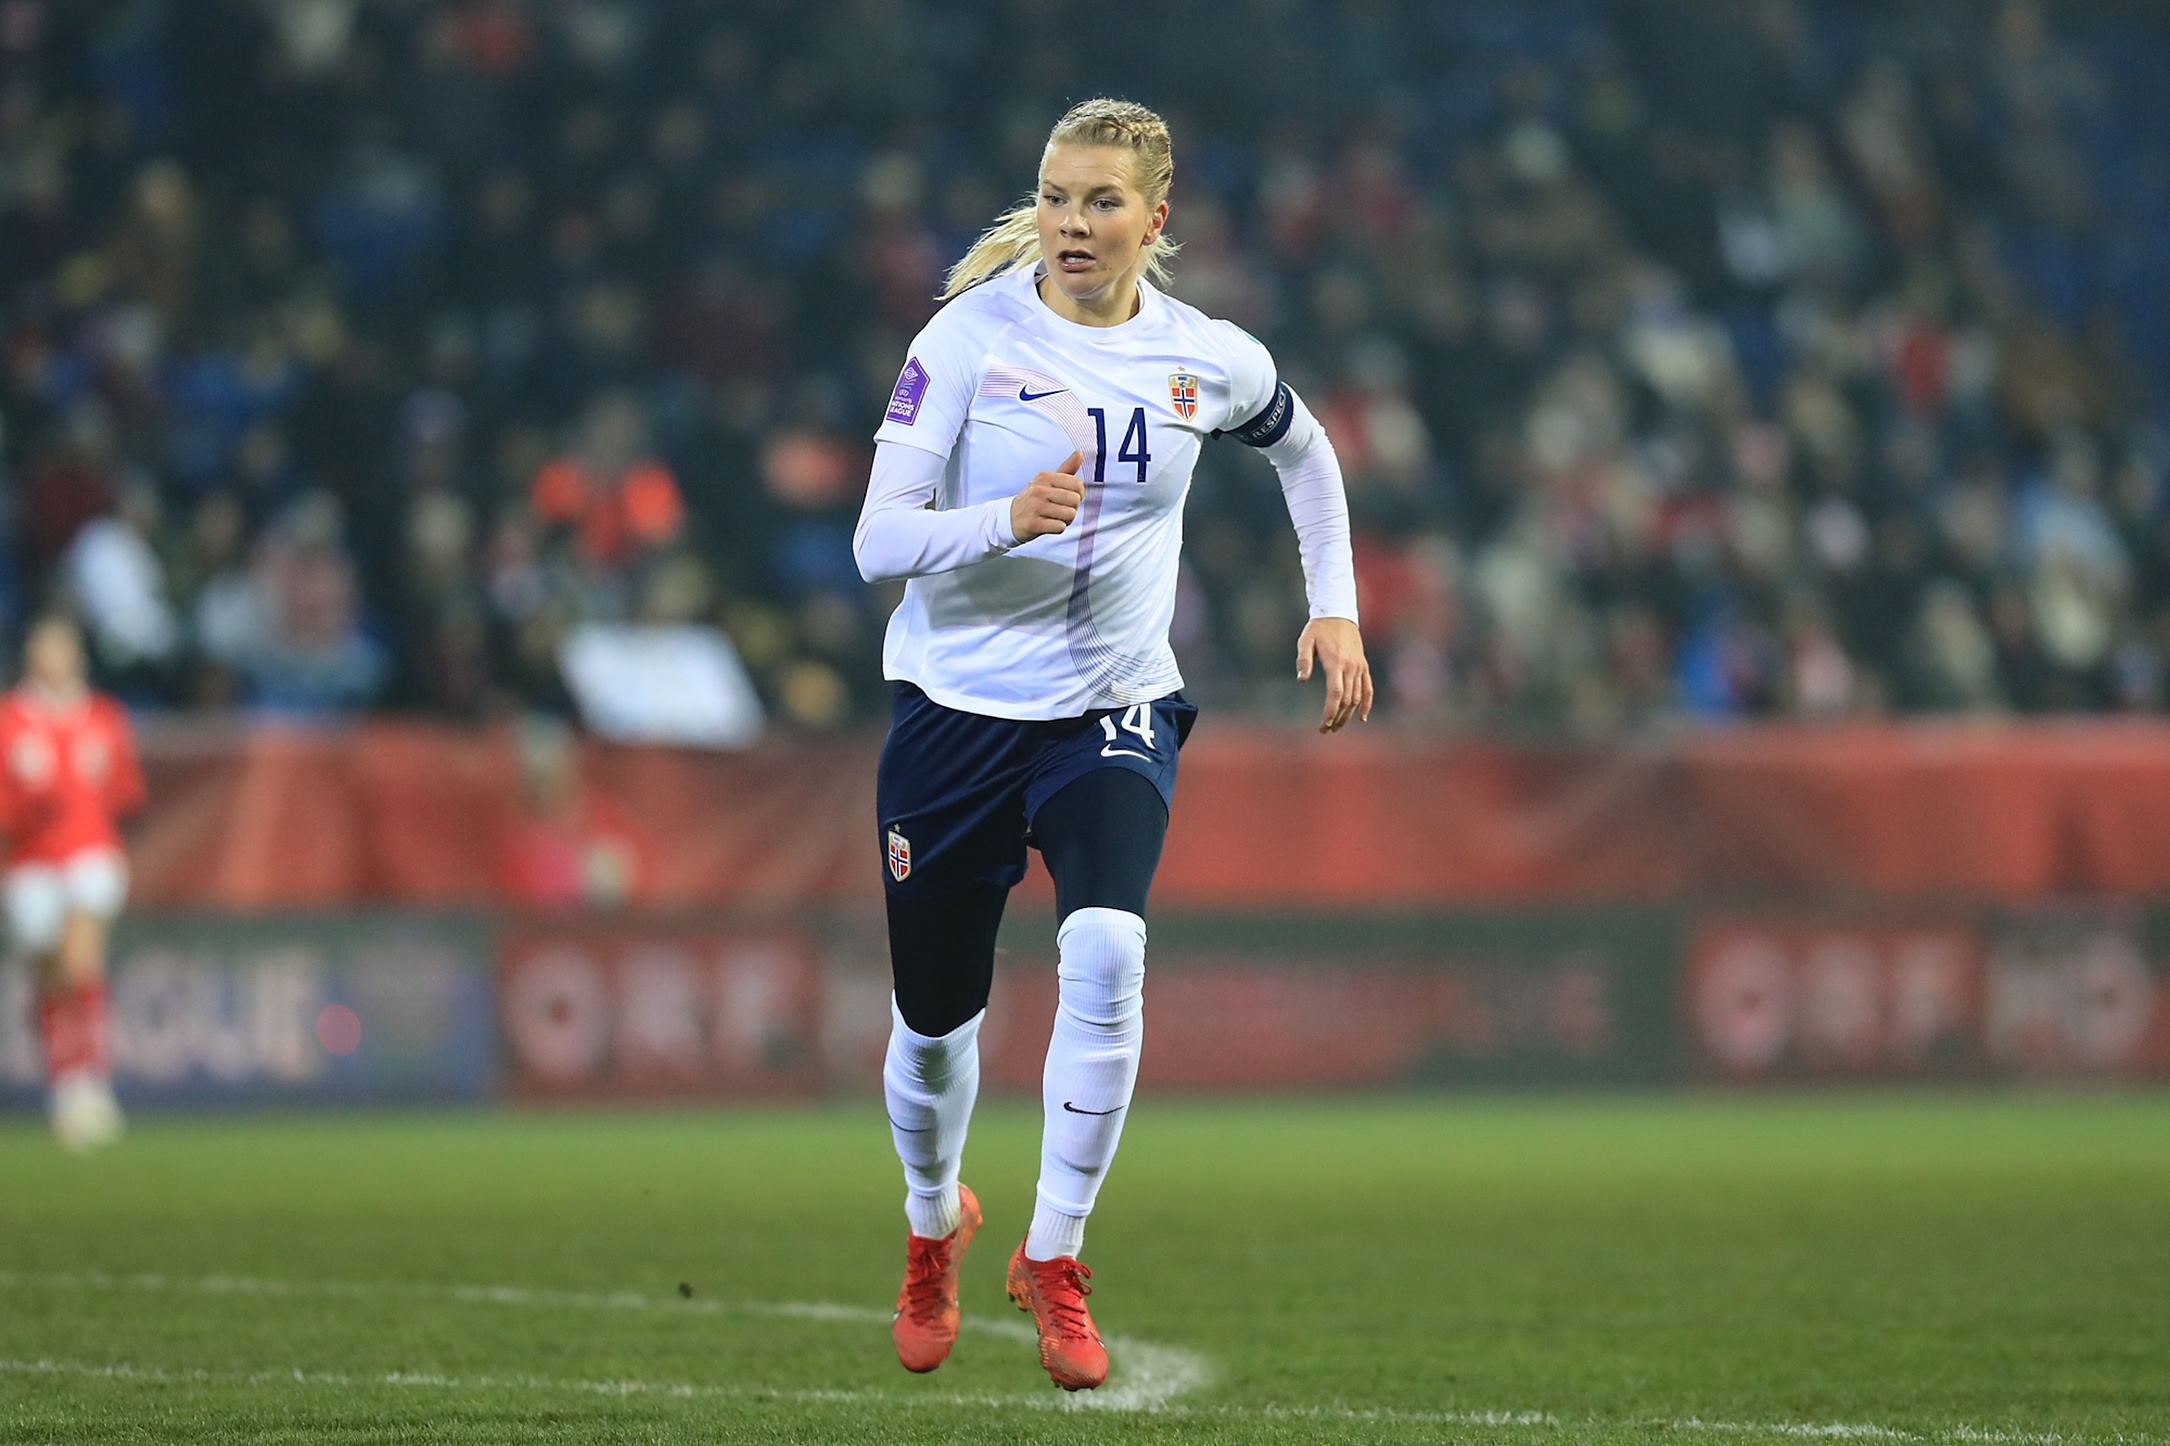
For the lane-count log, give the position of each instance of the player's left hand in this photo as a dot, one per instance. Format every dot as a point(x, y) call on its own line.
point(1339, 649)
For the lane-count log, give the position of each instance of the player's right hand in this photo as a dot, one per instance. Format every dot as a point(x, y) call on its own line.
point(1049, 502)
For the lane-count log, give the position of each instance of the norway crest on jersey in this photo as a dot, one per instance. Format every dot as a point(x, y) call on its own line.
point(1183, 394)
point(900, 856)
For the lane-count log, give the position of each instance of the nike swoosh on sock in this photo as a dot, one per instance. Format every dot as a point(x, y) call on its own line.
point(1073, 1109)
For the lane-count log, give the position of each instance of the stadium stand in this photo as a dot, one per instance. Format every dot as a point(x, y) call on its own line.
point(1686, 358)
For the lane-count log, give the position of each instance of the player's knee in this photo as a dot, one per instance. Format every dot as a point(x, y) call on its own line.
point(939, 1021)
point(1101, 970)
point(81, 950)
point(934, 1056)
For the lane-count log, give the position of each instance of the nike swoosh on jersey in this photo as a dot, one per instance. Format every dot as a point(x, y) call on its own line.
point(1073, 1109)
point(1111, 751)
point(1025, 394)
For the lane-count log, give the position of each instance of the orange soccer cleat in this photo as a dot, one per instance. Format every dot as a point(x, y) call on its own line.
point(1054, 1292)
point(926, 1324)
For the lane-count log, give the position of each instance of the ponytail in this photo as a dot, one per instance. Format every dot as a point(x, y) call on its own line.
point(1012, 243)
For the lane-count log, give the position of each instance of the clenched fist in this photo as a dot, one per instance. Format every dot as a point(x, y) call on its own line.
point(1049, 502)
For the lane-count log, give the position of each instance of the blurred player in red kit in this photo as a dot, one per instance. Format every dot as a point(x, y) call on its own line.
point(67, 770)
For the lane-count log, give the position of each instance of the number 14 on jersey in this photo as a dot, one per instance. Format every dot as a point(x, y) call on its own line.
point(1133, 445)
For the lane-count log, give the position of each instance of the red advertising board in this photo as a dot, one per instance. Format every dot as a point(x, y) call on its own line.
point(1286, 1004)
point(631, 1010)
point(626, 1009)
point(1234, 1022)
point(2054, 994)
point(796, 1005)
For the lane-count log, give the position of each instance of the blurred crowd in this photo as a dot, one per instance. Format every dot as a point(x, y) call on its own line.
point(1707, 358)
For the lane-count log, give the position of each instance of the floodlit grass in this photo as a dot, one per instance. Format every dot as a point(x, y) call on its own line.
point(1508, 1269)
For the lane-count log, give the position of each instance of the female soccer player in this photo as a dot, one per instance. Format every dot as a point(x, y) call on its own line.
point(67, 770)
point(1029, 481)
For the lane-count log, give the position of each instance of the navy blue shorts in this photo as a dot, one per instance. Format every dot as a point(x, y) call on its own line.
point(957, 791)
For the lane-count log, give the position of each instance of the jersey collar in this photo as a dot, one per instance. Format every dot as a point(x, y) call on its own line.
point(44, 700)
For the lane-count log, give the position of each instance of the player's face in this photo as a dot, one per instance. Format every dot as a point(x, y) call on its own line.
point(1094, 223)
point(53, 655)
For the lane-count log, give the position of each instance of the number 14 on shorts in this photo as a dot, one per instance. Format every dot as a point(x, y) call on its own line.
point(1137, 719)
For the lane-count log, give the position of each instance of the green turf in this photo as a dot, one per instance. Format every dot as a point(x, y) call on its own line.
point(1350, 1270)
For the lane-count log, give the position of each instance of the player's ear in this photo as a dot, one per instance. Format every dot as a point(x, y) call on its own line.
point(1156, 224)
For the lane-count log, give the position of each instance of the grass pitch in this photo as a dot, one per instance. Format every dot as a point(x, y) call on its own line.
point(1513, 1270)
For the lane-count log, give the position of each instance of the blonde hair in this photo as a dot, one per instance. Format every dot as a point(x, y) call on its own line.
point(1013, 242)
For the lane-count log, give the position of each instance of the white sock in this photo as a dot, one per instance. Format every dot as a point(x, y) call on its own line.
point(930, 1085)
point(1054, 1234)
point(1092, 1065)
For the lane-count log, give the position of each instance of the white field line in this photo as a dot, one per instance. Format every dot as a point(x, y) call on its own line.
point(432, 1381)
point(1150, 1376)
point(1147, 1376)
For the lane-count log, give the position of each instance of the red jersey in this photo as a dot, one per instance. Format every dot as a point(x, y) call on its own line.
point(67, 771)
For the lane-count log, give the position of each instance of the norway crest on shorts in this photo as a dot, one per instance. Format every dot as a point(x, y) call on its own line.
point(1183, 394)
point(900, 856)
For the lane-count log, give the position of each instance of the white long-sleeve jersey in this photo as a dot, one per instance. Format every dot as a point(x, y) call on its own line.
point(998, 388)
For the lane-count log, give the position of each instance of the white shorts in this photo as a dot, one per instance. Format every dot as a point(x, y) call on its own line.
point(41, 896)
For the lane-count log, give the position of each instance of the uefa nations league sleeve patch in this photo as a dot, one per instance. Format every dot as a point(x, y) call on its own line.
point(911, 391)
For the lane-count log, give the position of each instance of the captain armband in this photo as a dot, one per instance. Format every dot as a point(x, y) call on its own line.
point(1270, 425)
